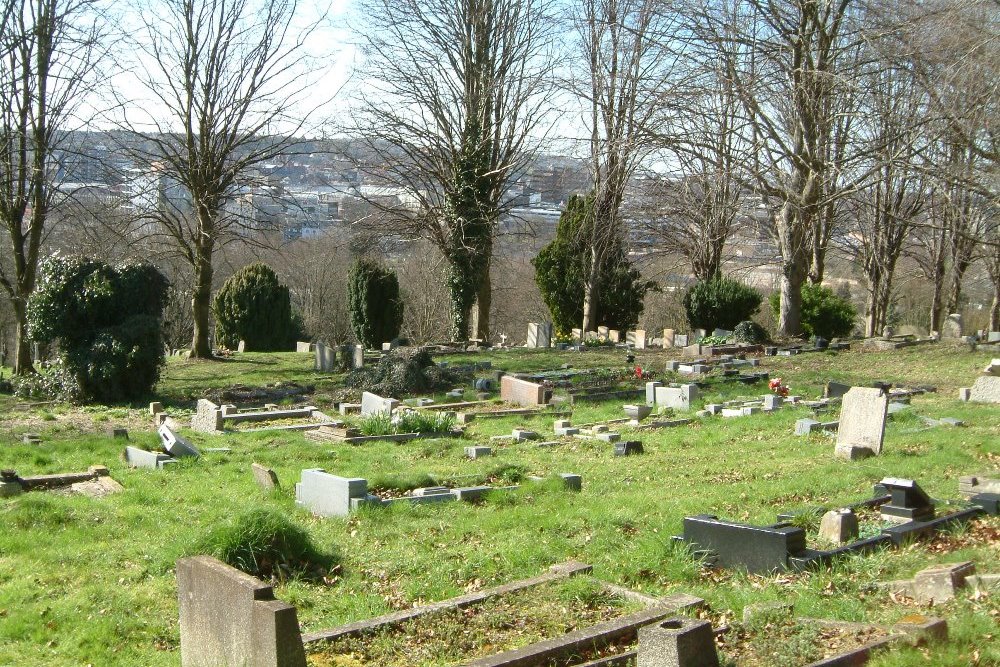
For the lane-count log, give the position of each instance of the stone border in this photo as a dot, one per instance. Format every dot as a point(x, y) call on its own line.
point(212, 418)
point(357, 628)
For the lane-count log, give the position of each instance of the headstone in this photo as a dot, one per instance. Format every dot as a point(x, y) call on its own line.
point(680, 340)
point(324, 494)
point(266, 478)
point(326, 359)
point(231, 619)
point(521, 434)
point(862, 423)
point(772, 402)
point(907, 501)
point(636, 413)
point(539, 335)
point(992, 368)
point(628, 448)
point(993, 337)
point(303, 347)
point(651, 391)
point(640, 339)
point(602, 333)
point(839, 526)
point(478, 452)
point(952, 326)
point(986, 389)
point(722, 333)
point(668, 337)
point(806, 426)
point(521, 392)
point(155, 408)
point(373, 404)
point(679, 398)
point(677, 642)
point(577, 334)
point(615, 336)
point(358, 360)
point(208, 418)
point(140, 458)
point(177, 446)
point(388, 347)
point(241, 346)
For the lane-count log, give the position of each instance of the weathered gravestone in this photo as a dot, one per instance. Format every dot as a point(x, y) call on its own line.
point(952, 327)
point(176, 445)
point(986, 389)
point(862, 423)
point(231, 619)
point(539, 335)
point(521, 392)
point(668, 337)
point(679, 398)
point(304, 347)
point(266, 478)
point(326, 358)
point(373, 404)
point(681, 340)
point(677, 642)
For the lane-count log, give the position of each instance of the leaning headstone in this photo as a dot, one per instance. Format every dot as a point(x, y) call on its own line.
point(952, 327)
point(986, 389)
point(176, 445)
point(231, 619)
point(862, 423)
point(677, 642)
point(938, 584)
point(521, 392)
point(373, 404)
point(266, 478)
point(140, 458)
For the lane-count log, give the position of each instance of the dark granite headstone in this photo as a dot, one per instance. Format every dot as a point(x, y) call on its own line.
point(628, 448)
point(759, 549)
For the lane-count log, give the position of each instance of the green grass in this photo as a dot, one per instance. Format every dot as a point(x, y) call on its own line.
point(90, 581)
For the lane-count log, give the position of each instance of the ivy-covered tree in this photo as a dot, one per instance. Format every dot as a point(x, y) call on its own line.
point(253, 306)
point(560, 271)
point(107, 322)
point(374, 303)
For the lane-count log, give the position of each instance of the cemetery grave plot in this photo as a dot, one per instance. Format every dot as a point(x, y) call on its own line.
point(459, 636)
point(213, 418)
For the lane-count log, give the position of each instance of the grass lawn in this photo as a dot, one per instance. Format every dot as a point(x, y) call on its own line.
point(90, 581)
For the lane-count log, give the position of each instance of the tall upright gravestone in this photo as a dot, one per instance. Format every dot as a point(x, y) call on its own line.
point(862, 423)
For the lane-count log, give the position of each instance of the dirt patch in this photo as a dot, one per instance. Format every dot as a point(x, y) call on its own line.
point(789, 643)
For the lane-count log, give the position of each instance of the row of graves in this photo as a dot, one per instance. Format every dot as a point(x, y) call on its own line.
point(230, 618)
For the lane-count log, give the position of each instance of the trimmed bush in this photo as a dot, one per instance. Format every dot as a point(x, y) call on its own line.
point(750, 332)
point(253, 306)
point(560, 268)
point(265, 543)
point(720, 303)
point(107, 321)
point(374, 303)
point(823, 312)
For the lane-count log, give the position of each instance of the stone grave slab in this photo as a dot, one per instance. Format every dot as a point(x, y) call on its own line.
point(862, 423)
point(231, 619)
point(521, 392)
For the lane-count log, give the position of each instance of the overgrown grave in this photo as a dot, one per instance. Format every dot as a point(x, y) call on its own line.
point(898, 512)
point(95, 482)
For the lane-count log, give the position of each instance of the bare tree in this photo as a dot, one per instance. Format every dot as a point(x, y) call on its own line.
point(886, 208)
point(786, 62)
point(695, 213)
point(227, 81)
point(49, 51)
point(627, 49)
point(452, 114)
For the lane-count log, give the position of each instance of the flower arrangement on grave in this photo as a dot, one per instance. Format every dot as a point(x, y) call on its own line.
point(778, 388)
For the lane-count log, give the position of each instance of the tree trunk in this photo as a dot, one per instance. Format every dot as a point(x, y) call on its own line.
point(201, 303)
point(790, 312)
point(955, 288)
point(995, 309)
point(590, 294)
point(22, 359)
point(484, 300)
